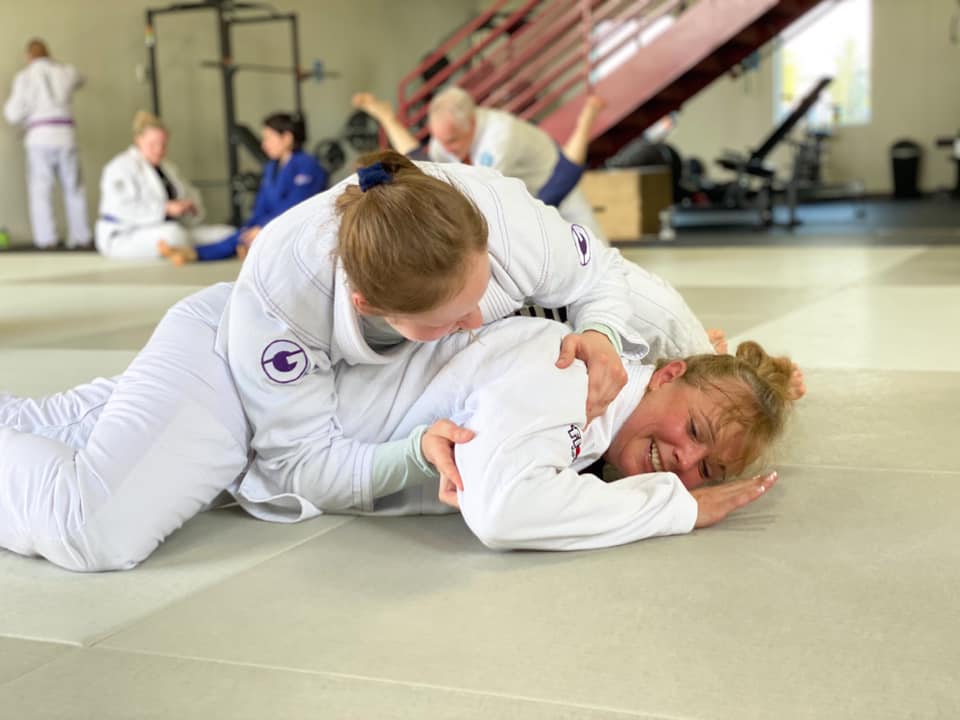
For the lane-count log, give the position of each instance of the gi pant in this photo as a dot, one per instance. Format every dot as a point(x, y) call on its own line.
point(96, 477)
point(45, 163)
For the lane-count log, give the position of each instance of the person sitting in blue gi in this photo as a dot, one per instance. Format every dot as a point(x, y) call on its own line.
point(290, 177)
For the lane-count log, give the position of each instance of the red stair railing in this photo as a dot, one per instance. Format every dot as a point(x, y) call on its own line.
point(541, 55)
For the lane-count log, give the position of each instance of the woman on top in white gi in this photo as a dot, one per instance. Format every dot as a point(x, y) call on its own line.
point(144, 200)
point(96, 477)
point(400, 252)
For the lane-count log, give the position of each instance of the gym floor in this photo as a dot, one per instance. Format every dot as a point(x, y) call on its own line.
point(833, 597)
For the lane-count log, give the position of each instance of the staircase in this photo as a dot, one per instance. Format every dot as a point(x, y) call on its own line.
point(644, 57)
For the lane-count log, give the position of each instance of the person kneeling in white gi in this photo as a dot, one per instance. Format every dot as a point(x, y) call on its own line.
point(144, 200)
point(95, 478)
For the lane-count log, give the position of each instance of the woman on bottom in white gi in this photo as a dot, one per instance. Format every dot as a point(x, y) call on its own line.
point(96, 477)
point(144, 200)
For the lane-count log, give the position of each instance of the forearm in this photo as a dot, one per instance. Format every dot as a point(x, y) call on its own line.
point(549, 510)
point(401, 139)
point(400, 464)
point(331, 472)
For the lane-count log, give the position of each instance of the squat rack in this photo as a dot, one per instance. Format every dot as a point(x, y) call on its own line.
point(229, 13)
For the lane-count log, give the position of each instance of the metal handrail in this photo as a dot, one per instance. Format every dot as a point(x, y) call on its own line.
point(532, 69)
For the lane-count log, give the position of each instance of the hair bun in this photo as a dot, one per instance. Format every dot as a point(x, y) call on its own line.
point(774, 371)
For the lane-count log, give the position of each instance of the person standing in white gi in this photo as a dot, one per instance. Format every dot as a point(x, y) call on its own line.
point(144, 200)
point(41, 103)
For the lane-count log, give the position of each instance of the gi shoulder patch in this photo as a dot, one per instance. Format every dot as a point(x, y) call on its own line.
point(485, 159)
point(284, 362)
point(576, 441)
point(302, 179)
point(581, 239)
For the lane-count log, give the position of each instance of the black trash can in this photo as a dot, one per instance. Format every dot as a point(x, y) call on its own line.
point(905, 156)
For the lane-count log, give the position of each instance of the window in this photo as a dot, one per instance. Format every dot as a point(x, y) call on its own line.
point(835, 43)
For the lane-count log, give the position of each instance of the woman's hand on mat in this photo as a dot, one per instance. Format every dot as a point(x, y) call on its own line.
point(605, 370)
point(437, 443)
point(714, 503)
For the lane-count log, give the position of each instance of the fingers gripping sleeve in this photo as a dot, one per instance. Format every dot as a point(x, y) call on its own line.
point(521, 493)
point(290, 398)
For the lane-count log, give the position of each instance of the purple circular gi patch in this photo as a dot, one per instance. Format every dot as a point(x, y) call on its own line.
point(284, 361)
point(581, 239)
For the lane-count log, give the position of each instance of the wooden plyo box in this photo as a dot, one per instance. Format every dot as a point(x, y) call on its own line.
point(628, 201)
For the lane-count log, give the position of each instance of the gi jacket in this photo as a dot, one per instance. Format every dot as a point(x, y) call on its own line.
point(41, 102)
point(281, 189)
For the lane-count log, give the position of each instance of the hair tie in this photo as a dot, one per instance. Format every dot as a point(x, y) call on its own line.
point(373, 175)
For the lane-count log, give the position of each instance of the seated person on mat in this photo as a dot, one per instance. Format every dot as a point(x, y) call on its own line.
point(290, 177)
point(144, 200)
point(462, 132)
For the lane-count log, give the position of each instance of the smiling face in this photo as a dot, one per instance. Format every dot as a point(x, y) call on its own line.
point(676, 428)
point(462, 312)
point(456, 138)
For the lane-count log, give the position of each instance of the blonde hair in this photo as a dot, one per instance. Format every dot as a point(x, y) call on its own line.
point(455, 102)
point(754, 394)
point(406, 244)
point(144, 121)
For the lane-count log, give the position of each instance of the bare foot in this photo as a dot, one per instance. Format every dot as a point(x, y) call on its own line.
point(718, 339)
point(179, 256)
point(797, 388)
